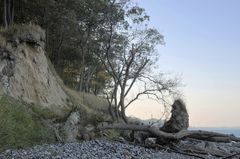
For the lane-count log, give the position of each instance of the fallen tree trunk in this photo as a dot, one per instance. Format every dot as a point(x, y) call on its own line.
point(167, 139)
point(199, 150)
point(156, 132)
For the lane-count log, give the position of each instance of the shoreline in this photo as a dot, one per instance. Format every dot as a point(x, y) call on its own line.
point(104, 149)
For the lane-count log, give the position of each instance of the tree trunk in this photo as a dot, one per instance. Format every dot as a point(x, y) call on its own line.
point(45, 22)
point(116, 111)
point(59, 49)
point(182, 148)
point(88, 78)
point(12, 12)
point(5, 14)
point(111, 111)
point(122, 104)
point(156, 132)
point(80, 83)
point(82, 71)
point(123, 113)
point(8, 12)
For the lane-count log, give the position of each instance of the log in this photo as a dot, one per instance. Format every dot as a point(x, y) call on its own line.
point(190, 150)
point(156, 132)
point(204, 151)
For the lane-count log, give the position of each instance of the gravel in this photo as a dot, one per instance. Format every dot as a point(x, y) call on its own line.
point(95, 149)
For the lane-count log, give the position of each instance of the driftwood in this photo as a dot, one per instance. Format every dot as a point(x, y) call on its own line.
point(198, 150)
point(190, 150)
point(156, 132)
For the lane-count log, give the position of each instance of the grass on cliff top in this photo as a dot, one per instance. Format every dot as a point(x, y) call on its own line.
point(18, 128)
point(18, 30)
point(21, 31)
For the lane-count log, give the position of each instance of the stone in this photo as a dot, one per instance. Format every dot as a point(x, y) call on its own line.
point(140, 136)
point(121, 139)
point(150, 142)
point(71, 127)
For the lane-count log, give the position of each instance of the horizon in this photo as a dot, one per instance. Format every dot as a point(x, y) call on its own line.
point(201, 44)
point(190, 126)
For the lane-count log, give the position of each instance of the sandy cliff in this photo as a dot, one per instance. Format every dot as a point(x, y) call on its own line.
point(25, 73)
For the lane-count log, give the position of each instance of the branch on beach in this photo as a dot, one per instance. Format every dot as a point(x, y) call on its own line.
point(156, 132)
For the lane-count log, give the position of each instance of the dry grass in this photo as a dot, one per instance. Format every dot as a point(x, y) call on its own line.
point(93, 109)
point(94, 102)
point(2, 42)
point(21, 30)
point(91, 101)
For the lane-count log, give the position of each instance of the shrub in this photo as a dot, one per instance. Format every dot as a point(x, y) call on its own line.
point(18, 128)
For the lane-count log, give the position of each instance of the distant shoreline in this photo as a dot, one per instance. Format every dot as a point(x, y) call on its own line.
point(226, 130)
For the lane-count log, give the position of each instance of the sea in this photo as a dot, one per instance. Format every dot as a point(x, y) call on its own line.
point(226, 130)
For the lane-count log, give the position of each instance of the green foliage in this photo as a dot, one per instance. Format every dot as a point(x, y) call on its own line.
point(43, 112)
point(18, 128)
point(112, 134)
point(95, 118)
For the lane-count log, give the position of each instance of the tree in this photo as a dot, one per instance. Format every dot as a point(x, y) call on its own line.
point(8, 12)
point(128, 53)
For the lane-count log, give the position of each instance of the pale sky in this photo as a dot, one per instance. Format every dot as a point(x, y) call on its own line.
point(203, 44)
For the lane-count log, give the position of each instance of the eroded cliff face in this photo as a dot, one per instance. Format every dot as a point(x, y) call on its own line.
point(25, 74)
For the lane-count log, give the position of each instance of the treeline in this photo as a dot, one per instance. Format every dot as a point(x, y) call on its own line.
point(76, 31)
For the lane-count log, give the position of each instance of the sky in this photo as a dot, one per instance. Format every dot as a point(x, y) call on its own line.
point(203, 45)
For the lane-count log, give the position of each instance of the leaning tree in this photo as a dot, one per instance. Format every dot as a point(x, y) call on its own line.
point(127, 50)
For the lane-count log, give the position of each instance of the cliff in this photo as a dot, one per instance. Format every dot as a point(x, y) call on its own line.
point(24, 71)
point(27, 77)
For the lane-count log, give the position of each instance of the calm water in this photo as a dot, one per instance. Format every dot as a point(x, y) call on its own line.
point(226, 130)
point(234, 131)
